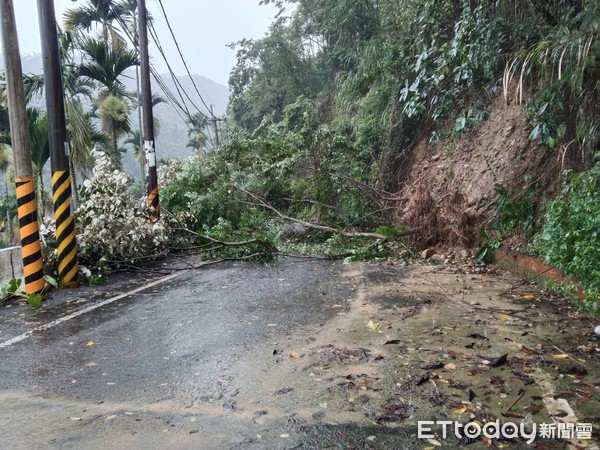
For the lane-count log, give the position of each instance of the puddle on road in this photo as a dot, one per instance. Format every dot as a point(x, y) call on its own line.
point(436, 351)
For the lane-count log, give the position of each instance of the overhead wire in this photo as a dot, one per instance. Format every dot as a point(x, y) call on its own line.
point(185, 64)
point(156, 40)
point(179, 109)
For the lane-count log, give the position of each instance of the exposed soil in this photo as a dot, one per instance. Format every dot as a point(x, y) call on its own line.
point(449, 194)
point(428, 343)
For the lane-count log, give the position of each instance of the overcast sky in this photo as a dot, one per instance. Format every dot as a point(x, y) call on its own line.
point(203, 28)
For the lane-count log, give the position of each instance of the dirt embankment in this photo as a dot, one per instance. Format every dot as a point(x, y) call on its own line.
point(450, 192)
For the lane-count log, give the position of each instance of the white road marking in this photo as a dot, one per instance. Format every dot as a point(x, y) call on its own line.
point(90, 308)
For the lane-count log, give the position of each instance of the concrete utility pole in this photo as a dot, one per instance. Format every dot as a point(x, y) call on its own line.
point(136, 44)
point(68, 266)
point(215, 126)
point(148, 119)
point(33, 266)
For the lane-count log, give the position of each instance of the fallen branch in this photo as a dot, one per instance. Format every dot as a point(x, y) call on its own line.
point(260, 202)
point(516, 401)
point(383, 195)
point(314, 202)
point(221, 244)
point(315, 257)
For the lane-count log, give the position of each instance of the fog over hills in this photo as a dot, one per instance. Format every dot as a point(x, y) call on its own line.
point(172, 135)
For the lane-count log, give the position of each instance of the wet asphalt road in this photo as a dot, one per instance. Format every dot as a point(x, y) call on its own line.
point(176, 343)
point(291, 355)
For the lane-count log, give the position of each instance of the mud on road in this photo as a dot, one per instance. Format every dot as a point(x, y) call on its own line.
point(303, 354)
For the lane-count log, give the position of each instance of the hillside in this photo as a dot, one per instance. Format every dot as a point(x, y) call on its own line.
point(453, 187)
point(466, 124)
point(172, 136)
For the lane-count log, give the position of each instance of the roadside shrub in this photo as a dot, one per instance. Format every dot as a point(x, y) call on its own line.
point(193, 194)
point(112, 226)
point(570, 239)
point(514, 213)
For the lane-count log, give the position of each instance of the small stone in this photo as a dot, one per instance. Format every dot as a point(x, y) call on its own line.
point(435, 157)
point(426, 254)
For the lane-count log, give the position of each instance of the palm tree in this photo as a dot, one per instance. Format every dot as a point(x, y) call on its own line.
point(81, 131)
point(37, 121)
point(99, 13)
point(8, 213)
point(114, 116)
point(135, 141)
point(197, 138)
point(105, 65)
point(135, 138)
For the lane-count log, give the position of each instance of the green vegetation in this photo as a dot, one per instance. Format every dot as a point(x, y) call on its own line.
point(570, 238)
point(324, 114)
point(13, 289)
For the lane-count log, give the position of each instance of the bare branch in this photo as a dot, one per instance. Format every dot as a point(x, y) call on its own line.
point(314, 202)
point(263, 204)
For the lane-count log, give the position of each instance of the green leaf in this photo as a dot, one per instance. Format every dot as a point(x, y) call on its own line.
point(11, 288)
point(14, 285)
point(51, 281)
point(34, 300)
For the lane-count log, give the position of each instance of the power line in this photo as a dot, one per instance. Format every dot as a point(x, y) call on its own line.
point(175, 79)
point(166, 90)
point(169, 94)
point(187, 69)
point(133, 40)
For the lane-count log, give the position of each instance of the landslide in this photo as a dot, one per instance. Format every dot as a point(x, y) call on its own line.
point(450, 193)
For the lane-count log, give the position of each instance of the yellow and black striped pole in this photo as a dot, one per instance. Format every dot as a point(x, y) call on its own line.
point(33, 266)
point(148, 119)
point(27, 206)
point(68, 268)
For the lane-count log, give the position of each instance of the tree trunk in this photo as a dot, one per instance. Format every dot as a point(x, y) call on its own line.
point(8, 216)
point(116, 149)
point(42, 205)
point(143, 166)
point(75, 194)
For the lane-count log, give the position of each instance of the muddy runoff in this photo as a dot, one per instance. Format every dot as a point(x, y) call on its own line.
point(397, 347)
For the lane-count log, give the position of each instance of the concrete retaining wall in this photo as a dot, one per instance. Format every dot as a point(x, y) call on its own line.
point(532, 267)
point(11, 264)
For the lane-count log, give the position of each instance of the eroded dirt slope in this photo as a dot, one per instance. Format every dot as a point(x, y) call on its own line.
point(449, 194)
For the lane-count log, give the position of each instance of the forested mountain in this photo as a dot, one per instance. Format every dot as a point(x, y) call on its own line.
point(173, 131)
